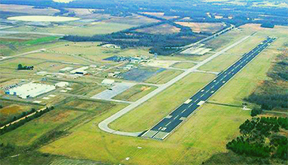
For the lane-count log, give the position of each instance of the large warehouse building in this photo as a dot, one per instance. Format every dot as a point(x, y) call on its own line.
point(30, 90)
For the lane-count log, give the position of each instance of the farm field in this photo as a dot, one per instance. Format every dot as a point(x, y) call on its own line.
point(203, 27)
point(202, 133)
point(160, 29)
point(27, 9)
point(135, 93)
point(11, 46)
point(160, 15)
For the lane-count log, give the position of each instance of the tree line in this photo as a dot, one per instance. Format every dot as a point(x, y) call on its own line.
point(273, 93)
point(254, 134)
point(27, 119)
point(21, 67)
point(14, 118)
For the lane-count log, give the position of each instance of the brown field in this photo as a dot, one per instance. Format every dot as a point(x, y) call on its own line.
point(203, 27)
point(161, 29)
point(132, 20)
point(10, 110)
point(56, 57)
point(160, 15)
point(27, 9)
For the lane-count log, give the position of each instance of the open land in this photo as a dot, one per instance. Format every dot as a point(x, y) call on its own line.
point(60, 135)
point(186, 142)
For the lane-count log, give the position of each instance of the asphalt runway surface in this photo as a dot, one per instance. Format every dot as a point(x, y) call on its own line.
point(168, 124)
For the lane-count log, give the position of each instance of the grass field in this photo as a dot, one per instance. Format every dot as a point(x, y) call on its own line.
point(73, 29)
point(228, 58)
point(163, 77)
point(203, 27)
point(13, 63)
point(149, 113)
point(88, 105)
point(134, 93)
point(203, 135)
point(10, 110)
point(31, 131)
point(52, 57)
point(183, 65)
point(92, 51)
point(27, 9)
point(160, 29)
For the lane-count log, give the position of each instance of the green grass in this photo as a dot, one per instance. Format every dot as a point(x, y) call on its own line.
point(183, 65)
point(151, 112)
point(73, 29)
point(204, 134)
point(228, 58)
point(163, 77)
point(92, 51)
point(41, 40)
point(13, 63)
point(135, 93)
point(31, 131)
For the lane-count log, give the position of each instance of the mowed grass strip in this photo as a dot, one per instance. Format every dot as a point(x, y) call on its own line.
point(163, 77)
point(135, 93)
point(183, 65)
point(228, 58)
point(151, 112)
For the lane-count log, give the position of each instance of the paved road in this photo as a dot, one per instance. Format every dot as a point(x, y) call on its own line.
point(174, 119)
point(104, 125)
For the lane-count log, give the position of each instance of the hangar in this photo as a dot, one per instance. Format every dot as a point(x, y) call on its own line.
point(30, 90)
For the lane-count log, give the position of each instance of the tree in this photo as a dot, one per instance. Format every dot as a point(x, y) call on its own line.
point(20, 66)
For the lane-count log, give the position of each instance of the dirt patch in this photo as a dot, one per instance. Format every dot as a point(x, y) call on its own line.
point(145, 88)
point(13, 109)
point(203, 27)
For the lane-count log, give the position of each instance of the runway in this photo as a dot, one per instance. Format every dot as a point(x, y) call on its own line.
point(161, 130)
point(104, 125)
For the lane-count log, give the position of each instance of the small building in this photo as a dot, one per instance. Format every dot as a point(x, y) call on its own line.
point(66, 69)
point(61, 84)
point(81, 70)
point(108, 82)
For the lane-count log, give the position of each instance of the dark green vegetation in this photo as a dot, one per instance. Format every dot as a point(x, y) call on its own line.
point(267, 25)
point(21, 67)
point(256, 111)
point(273, 93)
point(262, 137)
point(25, 120)
point(159, 43)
